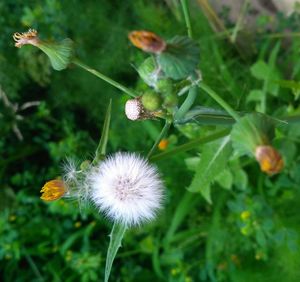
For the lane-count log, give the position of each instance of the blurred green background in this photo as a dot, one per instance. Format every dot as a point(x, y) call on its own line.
point(249, 233)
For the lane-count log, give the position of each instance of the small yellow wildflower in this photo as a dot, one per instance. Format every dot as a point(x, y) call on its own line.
point(77, 224)
point(245, 215)
point(53, 190)
point(163, 144)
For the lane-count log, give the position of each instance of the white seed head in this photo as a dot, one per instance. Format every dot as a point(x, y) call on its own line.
point(127, 189)
point(69, 170)
point(133, 109)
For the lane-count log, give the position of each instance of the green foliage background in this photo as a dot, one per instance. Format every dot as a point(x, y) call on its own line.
point(191, 240)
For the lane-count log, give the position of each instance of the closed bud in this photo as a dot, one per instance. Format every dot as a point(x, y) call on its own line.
point(147, 41)
point(165, 86)
point(269, 159)
point(53, 190)
point(150, 72)
point(151, 101)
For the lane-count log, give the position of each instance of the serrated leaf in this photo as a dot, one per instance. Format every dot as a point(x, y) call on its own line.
point(180, 58)
point(213, 161)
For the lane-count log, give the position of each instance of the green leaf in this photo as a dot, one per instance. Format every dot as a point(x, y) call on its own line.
point(260, 69)
point(250, 131)
point(225, 179)
point(213, 161)
point(116, 237)
point(60, 54)
point(180, 58)
point(255, 95)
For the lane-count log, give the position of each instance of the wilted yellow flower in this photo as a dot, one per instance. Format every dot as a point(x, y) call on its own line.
point(53, 190)
point(147, 41)
point(163, 144)
point(269, 159)
point(29, 37)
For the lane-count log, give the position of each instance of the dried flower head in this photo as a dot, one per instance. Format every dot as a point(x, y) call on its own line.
point(269, 159)
point(53, 190)
point(147, 41)
point(126, 188)
point(29, 37)
point(134, 109)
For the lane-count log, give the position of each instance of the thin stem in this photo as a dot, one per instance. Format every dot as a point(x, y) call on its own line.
point(184, 4)
point(190, 145)
point(159, 138)
point(105, 78)
point(239, 23)
point(219, 100)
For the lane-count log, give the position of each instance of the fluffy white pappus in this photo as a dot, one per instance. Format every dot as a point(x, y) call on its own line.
point(127, 189)
point(69, 170)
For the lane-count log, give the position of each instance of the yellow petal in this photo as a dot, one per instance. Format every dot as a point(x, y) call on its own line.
point(53, 190)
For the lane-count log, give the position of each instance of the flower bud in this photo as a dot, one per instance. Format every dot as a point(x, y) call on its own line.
point(53, 190)
point(269, 159)
point(149, 72)
point(147, 41)
point(151, 101)
point(165, 86)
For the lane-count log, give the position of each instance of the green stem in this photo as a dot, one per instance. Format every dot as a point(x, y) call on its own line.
point(159, 138)
point(105, 78)
point(116, 237)
point(190, 145)
point(219, 100)
point(101, 149)
point(184, 4)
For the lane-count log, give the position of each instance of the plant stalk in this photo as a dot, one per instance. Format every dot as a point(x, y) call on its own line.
point(190, 145)
point(105, 78)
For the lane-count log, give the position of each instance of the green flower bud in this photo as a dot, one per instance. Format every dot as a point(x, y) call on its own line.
point(85, 165)
point(149, 71)
point(151, 101)
point(170, 101)
point(165, 86)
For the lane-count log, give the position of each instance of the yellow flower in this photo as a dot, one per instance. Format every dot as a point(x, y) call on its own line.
point(245, 215)
point(269, 159)
point(147, 41)
point(163, 144)
point(53, 190)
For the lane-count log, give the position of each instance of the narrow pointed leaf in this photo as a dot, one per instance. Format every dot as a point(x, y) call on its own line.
point(116, 237)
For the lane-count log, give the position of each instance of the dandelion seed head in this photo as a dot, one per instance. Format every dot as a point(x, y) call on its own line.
point(127, 189)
